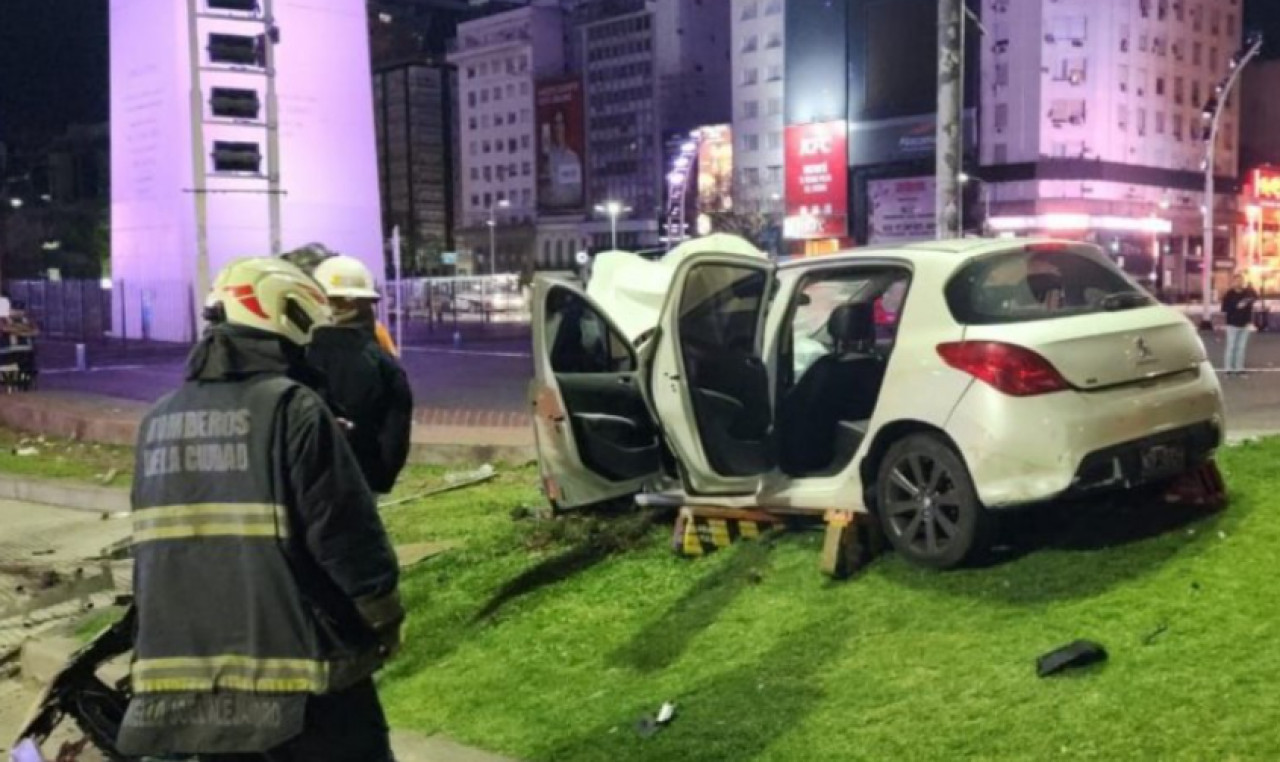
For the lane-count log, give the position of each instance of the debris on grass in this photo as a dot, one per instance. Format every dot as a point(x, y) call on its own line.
point(26, 452)
point(452, 481)
point(649, 725)
point(1150, 637)
point(1081, 653)
point(110, 476)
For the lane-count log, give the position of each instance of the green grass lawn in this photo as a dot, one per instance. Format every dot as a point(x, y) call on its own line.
point(766, 659)
point(64, 459)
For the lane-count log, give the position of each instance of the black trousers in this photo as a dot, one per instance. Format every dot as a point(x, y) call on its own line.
point(340, 727)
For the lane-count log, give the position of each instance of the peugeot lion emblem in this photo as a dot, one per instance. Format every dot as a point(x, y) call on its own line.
point(1142, 353)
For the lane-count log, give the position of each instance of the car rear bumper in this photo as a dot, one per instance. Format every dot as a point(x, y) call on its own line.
point(1032, 449)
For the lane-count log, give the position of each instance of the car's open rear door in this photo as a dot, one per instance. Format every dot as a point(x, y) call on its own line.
point(710, 385)
point(595, 435)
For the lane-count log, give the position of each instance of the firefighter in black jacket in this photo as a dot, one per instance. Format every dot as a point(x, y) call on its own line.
point(362, 377)
point(265, 585)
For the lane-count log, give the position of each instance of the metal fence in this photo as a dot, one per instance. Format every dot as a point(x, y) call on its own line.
point(489, 307)
point(93, 311)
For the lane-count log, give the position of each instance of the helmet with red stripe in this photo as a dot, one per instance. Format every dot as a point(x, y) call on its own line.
point(272, 295)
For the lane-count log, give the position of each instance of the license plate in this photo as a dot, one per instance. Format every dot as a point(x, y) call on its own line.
point(1162, 461)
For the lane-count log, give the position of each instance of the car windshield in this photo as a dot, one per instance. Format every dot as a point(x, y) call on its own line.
point(1031, 284)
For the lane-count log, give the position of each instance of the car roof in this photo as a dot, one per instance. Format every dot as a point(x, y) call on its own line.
point(949, 254)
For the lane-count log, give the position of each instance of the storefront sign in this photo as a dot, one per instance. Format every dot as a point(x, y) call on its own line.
point(817, 172)
point(1266, 185)
point(902, 209)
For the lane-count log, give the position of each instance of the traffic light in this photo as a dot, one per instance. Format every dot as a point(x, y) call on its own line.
point(230, 156)
point(235, 103)
point(237, 49)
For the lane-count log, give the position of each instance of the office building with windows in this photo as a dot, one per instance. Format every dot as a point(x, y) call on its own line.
point(757, 48)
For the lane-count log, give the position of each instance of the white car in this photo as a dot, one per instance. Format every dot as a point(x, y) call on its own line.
point(932, 384)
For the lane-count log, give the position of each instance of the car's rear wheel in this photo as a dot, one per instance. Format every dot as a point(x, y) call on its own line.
point(928, 505)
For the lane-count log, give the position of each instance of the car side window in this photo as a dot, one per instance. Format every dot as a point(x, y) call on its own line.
point(884, 289)
point(581, 340)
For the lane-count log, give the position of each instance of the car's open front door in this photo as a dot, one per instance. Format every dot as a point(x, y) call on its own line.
point(595, 436)
point(710, 385)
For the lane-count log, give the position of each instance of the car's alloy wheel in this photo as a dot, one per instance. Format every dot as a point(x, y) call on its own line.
point(927, 503)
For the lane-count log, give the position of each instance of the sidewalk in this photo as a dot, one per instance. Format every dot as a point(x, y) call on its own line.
point(439, 436)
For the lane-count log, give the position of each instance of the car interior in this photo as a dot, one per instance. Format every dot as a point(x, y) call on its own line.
point(600, 386)
point(720, 318)
point(826, 405)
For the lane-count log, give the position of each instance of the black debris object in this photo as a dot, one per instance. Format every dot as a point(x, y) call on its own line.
point(1081, 653)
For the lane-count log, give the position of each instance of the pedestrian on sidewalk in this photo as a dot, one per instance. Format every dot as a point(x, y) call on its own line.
point(265, 586)
point(362, 377)
point(1238, 304)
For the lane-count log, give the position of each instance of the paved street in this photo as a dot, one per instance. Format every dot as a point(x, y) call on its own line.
point(494, 376)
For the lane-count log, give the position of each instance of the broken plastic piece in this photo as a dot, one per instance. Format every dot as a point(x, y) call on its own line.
point(666, 713)
point(1079, 654)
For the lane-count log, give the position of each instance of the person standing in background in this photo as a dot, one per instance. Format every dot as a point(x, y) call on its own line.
point(1238, 305)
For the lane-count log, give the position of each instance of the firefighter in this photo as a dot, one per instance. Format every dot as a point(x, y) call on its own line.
point(265, 584)
point(362, 377)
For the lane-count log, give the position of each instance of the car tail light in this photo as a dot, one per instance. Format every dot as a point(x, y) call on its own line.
point(1016, 371)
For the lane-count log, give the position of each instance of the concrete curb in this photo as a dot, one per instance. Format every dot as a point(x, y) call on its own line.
point(81, 497)
point(436, 454)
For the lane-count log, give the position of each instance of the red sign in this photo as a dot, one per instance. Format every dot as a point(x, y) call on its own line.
point(1266, 185)
point(817, 181)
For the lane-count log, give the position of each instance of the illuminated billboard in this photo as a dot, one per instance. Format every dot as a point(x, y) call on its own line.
point(1264, 185)
point(902, 209)
point(328, 174)
point(715, 169)
point(817, 181)
point(561, 145)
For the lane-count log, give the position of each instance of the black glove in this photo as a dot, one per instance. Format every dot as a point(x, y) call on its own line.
point(385, 616)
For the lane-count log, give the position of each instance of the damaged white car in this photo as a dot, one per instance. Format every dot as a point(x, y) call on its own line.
point(931, 384)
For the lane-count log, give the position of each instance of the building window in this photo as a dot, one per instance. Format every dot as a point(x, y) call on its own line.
point(497, 146)
point(1144, 43)
point(1144, 7)
point(1002, 75)
point(1197, 54)
point(1123, 78)
point(1177, 127)
point(484, 96)
point(524, 88)
point(775, 72)
point(1159, 86)
point(750, 76)
point(497, 120)
point(1067, 111)
point(1002, 117)
point(1162, 9)
point(511, 90)
point(1142, 122)
point(526, 169)
point(773, 8)
point(1213, 59)
point(1158, 45)
point(471, 100)
point(751, 142)
point(497, 94)
point(525, 141)
point(1231, 25)
point(1069, 29)
point(1124, 38)
point(775, 41)
point(775, 141)
point(774, 175)
point(1140, 87)
point(1070, 70)
point(1122, 117)
point(750, 109)
point(471, 72)
point(1178, 11)
point(1179, 92)
point(775, 106)
point(475, 201)
point(1215, 22)
point(511, 145)
point(1197, 18)
point(751, 45)
point(488, 174)
point(1001, 153)
point(471, 122)
point(751, 176)
point(1195, 94)
point(1159, 122)
point(475, 174)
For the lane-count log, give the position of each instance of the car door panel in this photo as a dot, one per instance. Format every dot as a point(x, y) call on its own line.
point(710, 386)
point(595, 435)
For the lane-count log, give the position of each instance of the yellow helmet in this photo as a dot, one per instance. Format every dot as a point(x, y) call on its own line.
point(271, 295)
point(346, 277)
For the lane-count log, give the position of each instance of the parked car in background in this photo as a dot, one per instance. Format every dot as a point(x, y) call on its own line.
point(933, 384)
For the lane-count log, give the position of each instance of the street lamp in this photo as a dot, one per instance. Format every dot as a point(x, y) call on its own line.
point(1212, 116)
point(493, 233)
point(15, 202)
point(614, 209)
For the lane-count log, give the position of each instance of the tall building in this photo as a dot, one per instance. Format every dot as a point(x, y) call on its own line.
point(1260, 115)
point(414, 105)
point(759, 34)
point(654, 70)
point(500, 59)
point(1092, 126)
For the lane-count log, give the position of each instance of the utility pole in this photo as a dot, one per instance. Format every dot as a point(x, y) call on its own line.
point(1213, 115)
point(273, 127)
point(199, 170)
point(950, 134)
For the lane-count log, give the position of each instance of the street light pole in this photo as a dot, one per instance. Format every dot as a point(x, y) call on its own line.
point(614, 209)
point(950, 138)
point(493, 234)
point(1213, 114)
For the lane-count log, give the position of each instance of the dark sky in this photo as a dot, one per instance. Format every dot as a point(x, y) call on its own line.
point(53, 65)
point(53, 62)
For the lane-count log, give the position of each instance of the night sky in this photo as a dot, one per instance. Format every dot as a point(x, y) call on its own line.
point(53, 62)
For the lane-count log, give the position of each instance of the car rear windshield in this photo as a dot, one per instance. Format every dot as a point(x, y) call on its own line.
point(1028, 285)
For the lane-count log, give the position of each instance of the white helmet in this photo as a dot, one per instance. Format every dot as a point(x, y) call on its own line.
point(345, 277)
point(271, 295)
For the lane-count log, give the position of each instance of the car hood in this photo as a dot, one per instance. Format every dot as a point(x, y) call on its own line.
point(632, 289)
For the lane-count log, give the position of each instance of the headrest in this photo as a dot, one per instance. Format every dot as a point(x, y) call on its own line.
point(851, 323)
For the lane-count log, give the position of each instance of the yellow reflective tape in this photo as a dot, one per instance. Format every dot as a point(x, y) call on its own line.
point(749, 529)
point(719, 532)
point(230, 672)
point(209, 520)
